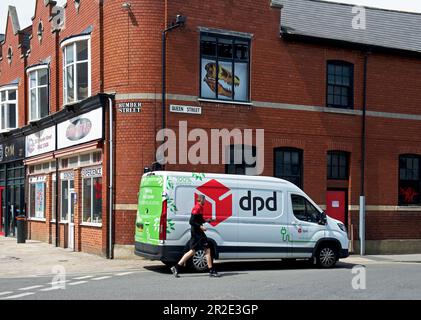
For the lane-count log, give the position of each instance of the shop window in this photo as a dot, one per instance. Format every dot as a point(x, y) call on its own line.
point(92, 199)
point(289, 165)
point(37, 200)
point(340, 84)
point(8, 109)
point(96, 157)
point(85, 159)
point(73, 162)
point(238, 154)
point(38, 93)
point(337, 165)
point(64, 163)
point(76, 69)
point(225, 68)
point(409, 180)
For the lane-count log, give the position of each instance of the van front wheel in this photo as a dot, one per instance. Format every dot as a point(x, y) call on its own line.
point(198, 261)
point(326, 256)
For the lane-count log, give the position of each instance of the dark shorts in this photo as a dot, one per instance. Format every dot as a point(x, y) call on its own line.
point(199, 243)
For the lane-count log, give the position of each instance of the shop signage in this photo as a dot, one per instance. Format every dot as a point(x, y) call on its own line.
point(70, 175)
point(12, 150)
point(185, 109)
point(41, 142)
point(84, 128)
point(129, 107)
point(39, 179)
point(92, 172)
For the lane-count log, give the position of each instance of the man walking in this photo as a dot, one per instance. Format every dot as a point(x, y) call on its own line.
point(198, 240)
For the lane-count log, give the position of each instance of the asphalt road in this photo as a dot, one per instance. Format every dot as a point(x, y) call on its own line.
point(239, 280)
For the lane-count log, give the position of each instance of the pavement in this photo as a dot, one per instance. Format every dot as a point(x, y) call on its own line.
point(35, 258)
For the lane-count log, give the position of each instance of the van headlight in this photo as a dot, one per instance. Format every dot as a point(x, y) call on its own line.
point(342, 227)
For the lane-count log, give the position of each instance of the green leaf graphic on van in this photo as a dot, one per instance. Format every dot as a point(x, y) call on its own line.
point(170, 184)
point(198, 176)
point(170, 226)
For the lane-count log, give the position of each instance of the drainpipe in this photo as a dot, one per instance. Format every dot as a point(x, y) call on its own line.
point(363, 156)
point(180, 21)
point(111, 181)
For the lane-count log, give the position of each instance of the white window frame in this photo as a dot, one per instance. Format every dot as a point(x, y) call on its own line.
point(6, 112)
point(37, 88)
point(72, 42)
point(61, 198)
point(99, 224)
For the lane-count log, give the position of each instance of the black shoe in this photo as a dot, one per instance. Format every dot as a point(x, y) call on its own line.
point(174, 270)
point(214, 274)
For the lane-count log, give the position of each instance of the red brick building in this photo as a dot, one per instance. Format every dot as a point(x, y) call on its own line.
point(337, 96)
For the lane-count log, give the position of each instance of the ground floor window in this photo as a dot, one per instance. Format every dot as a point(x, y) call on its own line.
point(92, 195)
point(409, 180)
point(37, 200)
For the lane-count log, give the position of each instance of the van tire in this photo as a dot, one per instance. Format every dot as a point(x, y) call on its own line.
point(326, 256)
point(198, 261)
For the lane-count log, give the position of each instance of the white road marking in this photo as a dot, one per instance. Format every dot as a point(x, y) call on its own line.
point(5, 293)
point(76, 283)
point(124, 273)
point(51, 289)
point(101, 278)
point(84, 277)
point(17, 296)
point(30, 288)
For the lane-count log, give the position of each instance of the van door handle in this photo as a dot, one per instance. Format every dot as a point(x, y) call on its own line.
point(296, 224)
point(146, 223)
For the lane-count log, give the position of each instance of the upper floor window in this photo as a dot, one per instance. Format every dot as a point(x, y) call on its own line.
point(8, 106)
point(340, 84)
point(337, 165)
point(225, 68)
point(409, 180)
point(76, 69)
point(289, 165)
point(38, 93)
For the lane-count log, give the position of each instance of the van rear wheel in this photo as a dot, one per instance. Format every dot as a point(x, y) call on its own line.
point(198, 261)
point(326, 256)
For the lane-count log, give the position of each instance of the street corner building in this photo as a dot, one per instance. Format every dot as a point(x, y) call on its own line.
point(86, 87)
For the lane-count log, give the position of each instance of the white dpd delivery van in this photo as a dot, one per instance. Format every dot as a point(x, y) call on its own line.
point(254, 218)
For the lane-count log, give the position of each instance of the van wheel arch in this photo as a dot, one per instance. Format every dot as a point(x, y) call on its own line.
point(332, 243)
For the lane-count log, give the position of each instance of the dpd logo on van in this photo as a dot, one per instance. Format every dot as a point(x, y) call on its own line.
point(218, 203)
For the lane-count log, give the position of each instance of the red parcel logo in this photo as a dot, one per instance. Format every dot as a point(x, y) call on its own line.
point(218, 203)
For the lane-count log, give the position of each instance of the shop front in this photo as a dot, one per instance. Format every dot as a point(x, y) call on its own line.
point(12, 183)
point(65, 191)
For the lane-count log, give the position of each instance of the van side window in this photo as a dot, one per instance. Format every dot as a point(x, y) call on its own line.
point(304, 210)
